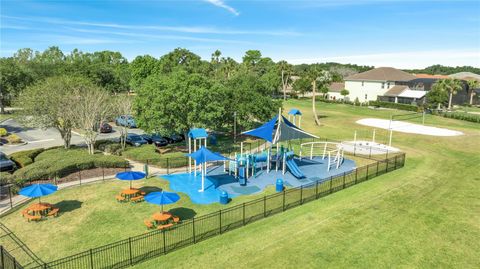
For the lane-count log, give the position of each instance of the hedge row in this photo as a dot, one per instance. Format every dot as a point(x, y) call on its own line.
point(60, 162)
point(461, 116)
point(396, 106)
point(24, 158)
point(147, 154)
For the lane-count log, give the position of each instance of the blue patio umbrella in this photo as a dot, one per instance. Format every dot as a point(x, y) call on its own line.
point(162, 198)
point(38, 190)
point(130, 176)
point(202, 156)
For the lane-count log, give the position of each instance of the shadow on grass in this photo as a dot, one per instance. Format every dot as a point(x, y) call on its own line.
point(183, 213)
point(149, 189)
point(68, 205)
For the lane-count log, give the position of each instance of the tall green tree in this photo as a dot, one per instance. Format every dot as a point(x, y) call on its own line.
point(473, 84)
point(50, 103)
point(140, 68)
point(451, 86)
point(13, 79)
point(437, 96)
point(286, 72)
point(252, 58)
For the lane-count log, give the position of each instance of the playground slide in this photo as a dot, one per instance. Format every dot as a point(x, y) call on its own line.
point(294, 169)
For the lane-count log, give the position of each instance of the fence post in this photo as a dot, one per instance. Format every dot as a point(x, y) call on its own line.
point(164, 243)
point(168, 166)
point(10, 195)
point(331, 179)
point(395, 167)
point(193, 228)
point(301, 194)
point(283, 203)
point(91, 258)
point(366, 176)
point(316, 189)
point(376, 174)
point(243, 213)
point(220, 222)
point(386, 167)
point(80, 176)
point(14, 263)
point(344, 179)
point(2, 261)
point(103, 173)
point(356, 175)
point(130, 250)
point(264, 206)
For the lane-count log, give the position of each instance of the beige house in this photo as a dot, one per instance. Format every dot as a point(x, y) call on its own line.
point(382, 81)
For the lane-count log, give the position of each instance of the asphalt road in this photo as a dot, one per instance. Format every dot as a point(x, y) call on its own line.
point(45, 138)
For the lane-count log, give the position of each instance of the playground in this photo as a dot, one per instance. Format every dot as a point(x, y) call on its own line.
point(212, 175)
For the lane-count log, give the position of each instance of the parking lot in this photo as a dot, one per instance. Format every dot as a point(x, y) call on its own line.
point(45, 138)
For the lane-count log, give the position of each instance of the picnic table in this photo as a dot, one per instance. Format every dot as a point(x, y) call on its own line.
point(132, 194)
point(162, 216)
point(39, 210)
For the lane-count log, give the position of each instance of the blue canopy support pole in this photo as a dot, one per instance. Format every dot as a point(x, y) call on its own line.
point(195, 161)
point(300, 121)
point(189, 152)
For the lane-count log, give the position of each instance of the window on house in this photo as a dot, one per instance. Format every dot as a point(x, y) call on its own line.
point(383, 85)
point(365, 97)
point(388, 85)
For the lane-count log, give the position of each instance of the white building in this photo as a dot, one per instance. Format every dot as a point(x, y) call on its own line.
point(369, 85)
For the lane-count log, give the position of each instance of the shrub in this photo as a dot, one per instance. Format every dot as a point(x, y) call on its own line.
point(459, 116)
point(6, 178)
point(148, 154)
point(14, 139)
point(115, 149)
point(396, 106)
point(3, 132)
point(24, 158)
point(60, 162)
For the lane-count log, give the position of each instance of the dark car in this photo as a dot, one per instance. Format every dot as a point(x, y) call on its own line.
point(176, 138)
point(105, 127)
point(6, 165)
point(135, 140)
point(156, 139)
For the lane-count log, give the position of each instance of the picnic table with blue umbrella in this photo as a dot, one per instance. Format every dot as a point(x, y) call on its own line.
point(38, 210)
point(130, 193)
point(163, 198)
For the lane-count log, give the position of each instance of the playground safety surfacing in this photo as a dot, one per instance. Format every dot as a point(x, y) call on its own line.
point(217, 180)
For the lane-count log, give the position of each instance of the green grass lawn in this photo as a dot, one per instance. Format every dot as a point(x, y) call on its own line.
point(423, 215)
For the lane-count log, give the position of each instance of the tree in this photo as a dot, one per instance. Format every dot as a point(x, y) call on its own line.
point(122, 105)
point(50, 103)
point(216, 61)
point(13, 79)
point(319, 79)
point(140, 68)
point(252, 58)
point(472, 85)
point(324, 90)
point(437, 95)
point(228, 66)
point(344, 93)
point(181, 59)
point(451, 86)
point(302, 85)
point(286, 71)
point(92, 106)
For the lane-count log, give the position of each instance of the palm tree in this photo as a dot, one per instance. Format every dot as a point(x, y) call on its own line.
point(319, 78)
point(472, 85)
point(450, 85)
point(286, 71)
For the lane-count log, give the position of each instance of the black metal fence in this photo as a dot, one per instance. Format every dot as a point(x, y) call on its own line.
point(139, 248)
point(69, 178)
point(7, 261)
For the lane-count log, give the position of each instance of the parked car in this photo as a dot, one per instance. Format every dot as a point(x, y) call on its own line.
point(126, 120)
point(135, 140)
point(6, 165)
point(105, 127)
point(155, 138)
point(174, 138)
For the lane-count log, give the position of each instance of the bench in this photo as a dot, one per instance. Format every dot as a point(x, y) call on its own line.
point(32, 217)
point(176, 219)
point(24, 212)
point(142, 193)
point(163, 227)
point(120, 198)
point(136, 199)
point(53, 212)
point(148, 223)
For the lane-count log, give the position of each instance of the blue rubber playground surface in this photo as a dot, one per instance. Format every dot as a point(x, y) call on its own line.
point(217, 181)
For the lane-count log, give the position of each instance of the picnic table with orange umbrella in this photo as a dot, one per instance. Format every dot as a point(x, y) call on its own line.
point(130, 176)
point(162, 198)
point(37, 210)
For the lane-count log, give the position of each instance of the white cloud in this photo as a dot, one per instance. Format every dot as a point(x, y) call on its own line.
point(404, 59)
point(221, 3)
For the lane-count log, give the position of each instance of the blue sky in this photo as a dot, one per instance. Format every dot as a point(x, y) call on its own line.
point(403, 34)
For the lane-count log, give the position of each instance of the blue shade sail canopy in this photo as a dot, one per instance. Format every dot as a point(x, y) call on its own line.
point(130, 175)
point(294, 111)
point(162, 198)
point(38, 190)
point(277, 130)
point(198, 133)
point(203, 155)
